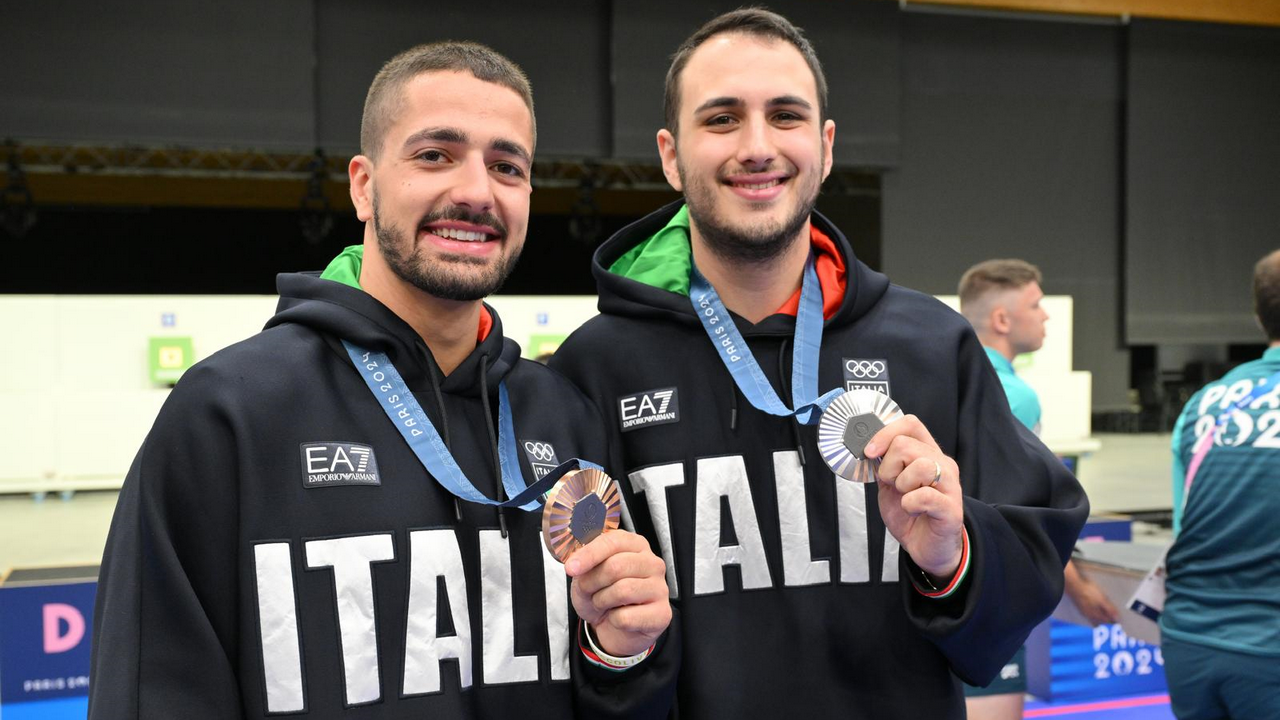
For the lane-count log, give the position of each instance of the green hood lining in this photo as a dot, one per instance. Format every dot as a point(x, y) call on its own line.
point(664, 260)
point(345, 268)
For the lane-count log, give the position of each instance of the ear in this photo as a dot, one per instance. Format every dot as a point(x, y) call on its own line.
point(828, 143)
point(667, 152)
point(360, 172)
point(1000, 322)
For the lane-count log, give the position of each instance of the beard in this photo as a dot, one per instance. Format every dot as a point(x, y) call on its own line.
point(758, 242)
point(447, 276)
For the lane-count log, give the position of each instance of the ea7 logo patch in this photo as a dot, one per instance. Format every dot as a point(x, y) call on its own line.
point(329, 464)
point(651, 407)
point(542, 457)
point(870, 374)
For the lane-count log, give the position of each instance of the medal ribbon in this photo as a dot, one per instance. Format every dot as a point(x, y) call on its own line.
point(395, 398)
point(733, 351)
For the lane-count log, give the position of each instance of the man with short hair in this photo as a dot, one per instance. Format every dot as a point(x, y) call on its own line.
point(335, 517)
point(802, 593)
point(1001, 299)
point(1220, 629)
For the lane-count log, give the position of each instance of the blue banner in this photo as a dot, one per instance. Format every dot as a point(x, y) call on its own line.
point(44, 641)
point(1074, 662)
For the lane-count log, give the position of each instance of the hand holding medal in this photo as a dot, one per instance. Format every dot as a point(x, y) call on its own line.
point(920, 499)
point(619, 585)
point(864, 436)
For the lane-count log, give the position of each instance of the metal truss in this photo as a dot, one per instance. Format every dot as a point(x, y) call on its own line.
point(236, 163)
point(171, 161)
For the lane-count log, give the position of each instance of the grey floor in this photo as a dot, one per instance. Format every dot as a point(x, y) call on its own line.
point(1129, 472)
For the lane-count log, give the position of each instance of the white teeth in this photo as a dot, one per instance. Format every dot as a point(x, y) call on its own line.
point(462, 235)
point(759, 186)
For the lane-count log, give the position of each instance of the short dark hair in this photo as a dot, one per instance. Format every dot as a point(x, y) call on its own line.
point(1266, 294)
point(754, 21)
point(1003, 274)
point(386, 99)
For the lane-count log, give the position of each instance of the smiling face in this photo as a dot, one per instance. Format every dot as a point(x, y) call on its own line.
point(448, 197)
point(752, 150)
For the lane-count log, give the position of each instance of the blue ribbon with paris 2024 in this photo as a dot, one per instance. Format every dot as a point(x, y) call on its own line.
point(807, 405)
point(395, 398)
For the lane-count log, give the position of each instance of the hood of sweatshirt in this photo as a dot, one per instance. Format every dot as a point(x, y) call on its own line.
point(332, 303)
point(643, 270)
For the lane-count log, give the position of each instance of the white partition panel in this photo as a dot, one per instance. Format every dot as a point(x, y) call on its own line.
point(28, 443)
point(1066, 395)
point(76, 400)
point(29, 352)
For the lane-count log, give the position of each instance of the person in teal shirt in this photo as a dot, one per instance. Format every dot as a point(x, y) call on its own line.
point(1220, 629)
point(1001, 299)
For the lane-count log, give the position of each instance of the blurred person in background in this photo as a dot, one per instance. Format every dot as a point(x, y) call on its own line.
point(1001, 299)
point(1220, 629)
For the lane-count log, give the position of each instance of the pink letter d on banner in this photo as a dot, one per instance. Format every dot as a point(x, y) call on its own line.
point(55, 642)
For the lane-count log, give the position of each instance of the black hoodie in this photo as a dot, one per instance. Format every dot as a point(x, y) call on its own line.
point(278, 548)
point(806, 611)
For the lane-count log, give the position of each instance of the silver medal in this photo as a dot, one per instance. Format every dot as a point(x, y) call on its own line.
point(846, 426)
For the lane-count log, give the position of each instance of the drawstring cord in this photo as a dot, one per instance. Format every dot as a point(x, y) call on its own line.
point(786, 390)
point(493, 440)
point(733, 404)
point(444, 426)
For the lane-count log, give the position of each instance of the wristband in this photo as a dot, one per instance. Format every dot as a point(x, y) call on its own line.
point(925, 585)
point(600, 658)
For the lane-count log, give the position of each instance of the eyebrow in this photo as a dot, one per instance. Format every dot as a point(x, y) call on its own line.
point(511, 147)
point(438, 134)
point(795, 100)
point(720, 102)
point(734, 102)
point(457, 136)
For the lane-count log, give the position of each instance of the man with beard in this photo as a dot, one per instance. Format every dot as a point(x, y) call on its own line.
point(292, 537)
point(801, 593)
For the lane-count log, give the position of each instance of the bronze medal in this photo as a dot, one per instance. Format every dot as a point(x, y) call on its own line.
point(581, 506)
point(847, 425)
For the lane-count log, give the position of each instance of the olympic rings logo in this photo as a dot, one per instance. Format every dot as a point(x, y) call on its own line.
point(864, 368)
point(539, 450)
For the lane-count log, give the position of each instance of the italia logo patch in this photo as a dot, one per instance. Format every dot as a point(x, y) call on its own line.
point(869, 374)
point(542, 457)
point(331, 464)
point(651, 407)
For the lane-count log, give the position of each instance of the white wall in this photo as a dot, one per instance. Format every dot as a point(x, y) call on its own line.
point(76, 400)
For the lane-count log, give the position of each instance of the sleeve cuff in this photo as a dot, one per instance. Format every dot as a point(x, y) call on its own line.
point(926, 587)
point(594, 655)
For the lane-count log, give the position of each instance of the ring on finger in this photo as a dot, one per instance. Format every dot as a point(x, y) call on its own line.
point(937, 473)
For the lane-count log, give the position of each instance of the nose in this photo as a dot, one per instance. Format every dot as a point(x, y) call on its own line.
point(472, 186)
point(755, 144)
